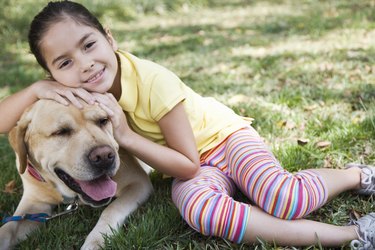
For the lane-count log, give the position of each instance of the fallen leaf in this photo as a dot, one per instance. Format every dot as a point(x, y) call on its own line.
point(281, 123)
point(302, 141)
point(10, 187)
point(311, 107)
point(286, 124)
point(328, 162)
point(368, 150)
point(323, 144)
point(354, 215)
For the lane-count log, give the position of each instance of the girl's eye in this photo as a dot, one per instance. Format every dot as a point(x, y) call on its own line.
point(64, 64)
point(89, 45)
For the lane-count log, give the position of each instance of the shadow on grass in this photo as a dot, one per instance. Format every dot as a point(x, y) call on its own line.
point(276, 79)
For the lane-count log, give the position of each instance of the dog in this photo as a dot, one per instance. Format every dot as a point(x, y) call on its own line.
point(65, 154)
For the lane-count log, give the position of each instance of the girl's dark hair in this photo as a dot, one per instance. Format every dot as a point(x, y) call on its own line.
point(55, 12)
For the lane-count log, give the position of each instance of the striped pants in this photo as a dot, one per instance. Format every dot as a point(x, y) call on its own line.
point(243, 161)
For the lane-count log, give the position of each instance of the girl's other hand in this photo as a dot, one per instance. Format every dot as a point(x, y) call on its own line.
point(48, 89)
point(117, 116)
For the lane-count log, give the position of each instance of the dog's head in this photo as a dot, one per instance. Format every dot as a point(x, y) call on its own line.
point(73, 149)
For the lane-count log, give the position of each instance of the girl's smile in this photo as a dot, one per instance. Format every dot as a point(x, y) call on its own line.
point(80, 56)
point(96, 77)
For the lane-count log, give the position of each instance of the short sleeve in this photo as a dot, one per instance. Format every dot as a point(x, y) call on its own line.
point(167, 90)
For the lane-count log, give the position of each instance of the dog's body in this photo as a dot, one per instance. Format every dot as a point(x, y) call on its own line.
point(64, 154)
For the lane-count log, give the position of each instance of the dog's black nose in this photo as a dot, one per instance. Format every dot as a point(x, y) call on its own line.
point(102, 157)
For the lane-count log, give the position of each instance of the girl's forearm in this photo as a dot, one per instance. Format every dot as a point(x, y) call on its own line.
point(12, 107)
point(159, 157)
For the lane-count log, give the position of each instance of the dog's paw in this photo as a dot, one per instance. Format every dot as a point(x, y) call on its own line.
point(93, 242)
point(5, 239)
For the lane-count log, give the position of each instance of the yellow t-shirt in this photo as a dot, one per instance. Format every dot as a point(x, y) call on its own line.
point(149, 91)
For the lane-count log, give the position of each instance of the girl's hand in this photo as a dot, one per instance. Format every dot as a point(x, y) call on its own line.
point(178, 158)
point(117, 116)
point(12, 107)
point(48, 89)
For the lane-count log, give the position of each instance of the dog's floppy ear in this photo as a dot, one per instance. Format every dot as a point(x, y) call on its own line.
point(17, 141)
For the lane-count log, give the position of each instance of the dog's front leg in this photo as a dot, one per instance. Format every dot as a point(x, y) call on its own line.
point(115, 214)
point(16, 231)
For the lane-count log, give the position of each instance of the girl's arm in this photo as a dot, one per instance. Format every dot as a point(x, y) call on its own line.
point(178, 159)
point(12, 107)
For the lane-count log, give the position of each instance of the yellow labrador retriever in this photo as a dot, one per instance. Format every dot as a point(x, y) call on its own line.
point(64, 154)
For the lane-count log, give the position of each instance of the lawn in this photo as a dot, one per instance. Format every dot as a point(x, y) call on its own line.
point(303, 69)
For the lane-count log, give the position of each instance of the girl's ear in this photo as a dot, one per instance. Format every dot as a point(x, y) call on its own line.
point(111, 40)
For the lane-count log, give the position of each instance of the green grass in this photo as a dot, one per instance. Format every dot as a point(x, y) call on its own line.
point(302, 69)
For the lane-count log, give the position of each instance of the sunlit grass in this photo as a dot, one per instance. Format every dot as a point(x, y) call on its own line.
point(302, 69)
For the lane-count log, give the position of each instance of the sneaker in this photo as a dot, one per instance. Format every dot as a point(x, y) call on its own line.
point(367, 178)
point(365, 231)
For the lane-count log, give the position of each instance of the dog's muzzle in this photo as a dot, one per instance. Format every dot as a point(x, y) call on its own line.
point(96, 192)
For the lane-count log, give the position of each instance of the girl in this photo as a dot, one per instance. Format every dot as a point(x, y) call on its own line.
point(205, 146)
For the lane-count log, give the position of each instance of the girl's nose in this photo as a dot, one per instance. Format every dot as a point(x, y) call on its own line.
point(88, 66)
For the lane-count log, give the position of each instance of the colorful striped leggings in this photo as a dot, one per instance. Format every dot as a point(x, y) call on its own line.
point(243, 161)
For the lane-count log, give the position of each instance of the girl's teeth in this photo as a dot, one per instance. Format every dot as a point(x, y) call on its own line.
point(95, 77)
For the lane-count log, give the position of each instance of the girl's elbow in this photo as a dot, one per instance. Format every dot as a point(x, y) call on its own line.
point(192, 172)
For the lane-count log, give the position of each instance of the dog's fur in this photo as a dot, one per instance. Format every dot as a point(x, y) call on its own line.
point(66, 145)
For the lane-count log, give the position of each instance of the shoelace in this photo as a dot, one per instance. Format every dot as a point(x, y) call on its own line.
point(360, 245)
point(366, 233)
point(368, 179)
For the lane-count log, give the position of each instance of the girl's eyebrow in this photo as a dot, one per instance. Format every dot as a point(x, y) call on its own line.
point(77, 45)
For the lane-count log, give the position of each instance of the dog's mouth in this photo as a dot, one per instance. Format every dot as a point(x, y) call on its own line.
point(97, 192)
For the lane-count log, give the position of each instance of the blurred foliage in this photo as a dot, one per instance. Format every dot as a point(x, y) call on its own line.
point(15, 16)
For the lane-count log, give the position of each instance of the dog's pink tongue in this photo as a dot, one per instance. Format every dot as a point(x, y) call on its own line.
point(99, 189)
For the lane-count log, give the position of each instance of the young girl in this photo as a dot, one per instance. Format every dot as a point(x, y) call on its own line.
point(205, 146)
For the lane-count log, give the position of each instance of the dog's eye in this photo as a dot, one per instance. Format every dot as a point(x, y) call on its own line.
point(62, 132)
point(103, 121)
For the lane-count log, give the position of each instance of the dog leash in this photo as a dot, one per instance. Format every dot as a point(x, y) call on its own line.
point(42, 217)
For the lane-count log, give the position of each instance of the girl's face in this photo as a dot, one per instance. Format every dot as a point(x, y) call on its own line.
point(78, 55)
